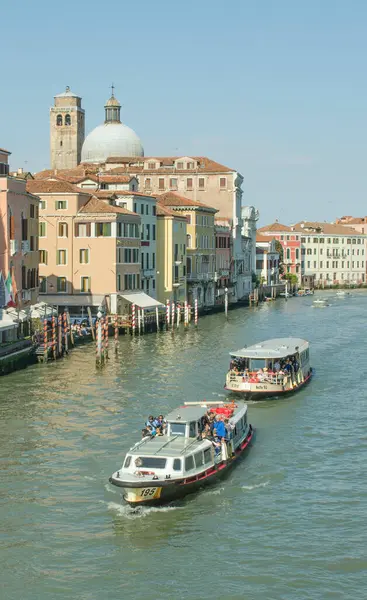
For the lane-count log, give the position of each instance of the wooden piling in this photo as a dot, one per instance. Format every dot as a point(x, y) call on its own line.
point(143, 320)
point(167, 313)
point(106, 338)
point(53, 321)
point(45, 340)
point(157, 317)
point(90, 322)
point(139, 321)
point(66, 332)
point(196, 312)
point(133, 318)
point(173, 314)
point(59, 335)
point(116, 336)
point(98, 342)
point(70, 329)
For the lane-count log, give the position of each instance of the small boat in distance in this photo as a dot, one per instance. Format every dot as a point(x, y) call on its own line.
point(320, 303)
point(304, 292)
point(342, 294)
point(163, 468)
point(271, 368)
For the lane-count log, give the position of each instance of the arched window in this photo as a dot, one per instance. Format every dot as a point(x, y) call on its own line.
point(67, 120)
point(188, 240)
point(59, 120)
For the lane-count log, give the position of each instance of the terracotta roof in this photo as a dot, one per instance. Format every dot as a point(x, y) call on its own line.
point(114, 178)
point(135, 164)
point(99, 206)
point(326, 228)
point(53, 186)
point(263, 238)
point(80, 172)
point(104, 194)
point(6, 151)
point(275, 227)
point(131, 193)
point(173, 199)
point(163, 211)
point(351, 220)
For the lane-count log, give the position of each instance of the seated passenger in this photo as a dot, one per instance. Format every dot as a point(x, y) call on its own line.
point(150, 422)
point(145, 433)
point(151, 431)
point(277, 366)
point(158, 431)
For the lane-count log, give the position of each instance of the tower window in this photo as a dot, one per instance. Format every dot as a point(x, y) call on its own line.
point(60, 142)
point(59, 120)
point(67, 120)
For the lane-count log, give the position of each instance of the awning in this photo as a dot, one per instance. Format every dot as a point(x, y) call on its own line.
point(6, 322)
point(74, 300)
point(141, 299)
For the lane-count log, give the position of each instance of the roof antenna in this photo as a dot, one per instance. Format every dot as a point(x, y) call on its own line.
point(112, 90)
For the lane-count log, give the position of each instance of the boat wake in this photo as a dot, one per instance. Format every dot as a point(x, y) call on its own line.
point(248, 488)
point(128, 512)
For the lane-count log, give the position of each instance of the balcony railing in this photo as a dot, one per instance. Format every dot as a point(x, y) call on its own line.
point(25, 247)
point(195, 276)
point(148, 272)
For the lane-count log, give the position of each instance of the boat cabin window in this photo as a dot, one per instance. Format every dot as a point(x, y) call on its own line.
point(151, 462)
point(189, 463)
point(257, 363)
point(127, 462)
point(199, 459)
point(177, 465)
point(192, 431)
point(178, 428)
point(207, 455)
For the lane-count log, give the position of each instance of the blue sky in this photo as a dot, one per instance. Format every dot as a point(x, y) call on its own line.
point(274, 88)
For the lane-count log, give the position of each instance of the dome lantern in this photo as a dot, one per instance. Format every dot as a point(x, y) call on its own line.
point(112, 109)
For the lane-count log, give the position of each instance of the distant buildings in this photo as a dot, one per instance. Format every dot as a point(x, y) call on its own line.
point(171, 255)
point(267, 261)
point(18, 236)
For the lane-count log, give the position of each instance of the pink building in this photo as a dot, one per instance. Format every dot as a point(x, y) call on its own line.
point(18, 234)
point(291, 244)
point(223, 258)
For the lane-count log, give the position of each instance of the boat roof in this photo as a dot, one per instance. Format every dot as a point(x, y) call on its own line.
point(193, 412)
point(168, 447)
point(276, 348)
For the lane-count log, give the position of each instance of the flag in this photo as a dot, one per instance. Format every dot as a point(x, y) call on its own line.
point(9, 300)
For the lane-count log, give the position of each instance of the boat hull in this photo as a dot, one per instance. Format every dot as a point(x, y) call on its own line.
point(258, 391)
point(165, 491)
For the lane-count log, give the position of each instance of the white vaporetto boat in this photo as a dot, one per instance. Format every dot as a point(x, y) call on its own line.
point(163, 468)
point(320, 303)
point(271, 368)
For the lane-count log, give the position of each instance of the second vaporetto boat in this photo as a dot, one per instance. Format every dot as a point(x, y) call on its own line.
point(270, 368)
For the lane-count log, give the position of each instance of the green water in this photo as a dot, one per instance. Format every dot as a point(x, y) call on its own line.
point(288, 523)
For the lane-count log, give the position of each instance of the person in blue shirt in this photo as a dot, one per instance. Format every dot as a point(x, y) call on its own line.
point(220, 427)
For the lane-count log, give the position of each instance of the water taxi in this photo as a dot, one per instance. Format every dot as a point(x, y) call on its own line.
point(270, 368)
point(163, 468)
point(320, 303)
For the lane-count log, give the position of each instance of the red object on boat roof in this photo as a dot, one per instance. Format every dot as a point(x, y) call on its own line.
point(223, 410)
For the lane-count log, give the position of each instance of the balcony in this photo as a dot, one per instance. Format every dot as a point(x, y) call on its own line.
point(14, 247)
point(25, 247)
point(194, 276)
point(148, 273)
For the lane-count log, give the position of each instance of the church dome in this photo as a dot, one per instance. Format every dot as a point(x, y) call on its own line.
point(112, 139)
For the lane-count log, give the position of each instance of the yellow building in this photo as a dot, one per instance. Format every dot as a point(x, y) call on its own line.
point(171, 255)
point(89, 248)
point(200, 246)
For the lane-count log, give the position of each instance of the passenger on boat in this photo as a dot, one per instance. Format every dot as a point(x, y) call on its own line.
point(145, 433)
point(150, 422)
point(158, 431)
point(220, 427)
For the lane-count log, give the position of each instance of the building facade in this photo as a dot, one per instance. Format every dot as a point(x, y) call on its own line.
point(267, 261)
point(19, 211)
point(200, 247)
point(223, 261)
point(67, 129)
point(89, 248)
point(290, 241)
point(171, 255)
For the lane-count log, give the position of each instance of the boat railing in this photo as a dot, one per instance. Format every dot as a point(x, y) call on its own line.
point(274, 378)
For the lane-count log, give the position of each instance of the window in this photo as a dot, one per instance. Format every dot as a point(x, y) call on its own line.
point(154, 211)
point(189, 182)
point(315, 240)
point(147, 232)
point(151, 165)
point(31, 211)
point(147, 260)
point(42, 204)
point(142, 260)
point(153, 260)
point(199, 460)
point(190, 165)
point(42, 229)
point(67, 120)
point(43, 257)
point(148, 183)
point(59, 120)
point(297, 253)
point(320, 264)
point(82, 229)
point(85, 284)
point(153, 284)
point(161, 184)
point(177, 464)
point(303, 240)
point(180, 165)
point(189, 463)
point(322, 240)
point(24, 223)
point(61, 205)
point(61, 257)
point(223, 183)
point(63, 230)
point(128, 255)
point(178, 429)
point(147, 209)
point(207, 455)
point(151, 462)
point(84, 256)
point(61, 284)
point(173, 183)
point(43, 285)
point(103, 229)
point(31, 243)
point(134, 207)
point(132, 281)
point(153, 232)
point(201, 183)
point(189, 241)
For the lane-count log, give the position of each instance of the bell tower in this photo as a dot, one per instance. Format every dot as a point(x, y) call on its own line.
point(67, 130)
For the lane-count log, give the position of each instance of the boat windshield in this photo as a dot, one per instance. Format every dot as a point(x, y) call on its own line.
point(178, 428)
point(257, 363)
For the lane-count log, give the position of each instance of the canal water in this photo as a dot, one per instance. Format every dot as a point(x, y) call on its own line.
point(289, 522)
